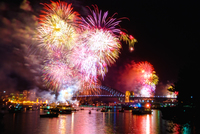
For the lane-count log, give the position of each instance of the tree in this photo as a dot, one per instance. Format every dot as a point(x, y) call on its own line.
point(187, 84)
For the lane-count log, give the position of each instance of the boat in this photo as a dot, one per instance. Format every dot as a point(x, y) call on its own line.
point(49, 115)
point(66, 111)
point(45, 107)
point(57, 110)
point(30, 108)
point(15, 108)
point(139, 109)
point(104, 110)
point(73, 109)
point(82, 108)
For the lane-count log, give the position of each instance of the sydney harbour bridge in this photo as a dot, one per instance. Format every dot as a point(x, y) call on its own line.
point(129, 97)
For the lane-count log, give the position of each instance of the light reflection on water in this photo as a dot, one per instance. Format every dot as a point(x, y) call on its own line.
point(147, 125)
point(97, 122)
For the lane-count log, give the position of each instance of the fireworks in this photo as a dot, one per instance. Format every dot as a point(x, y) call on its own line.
point(128, 39)
point(99, 50)
point(56, 74)
point(105, 45)
point(79, 49)
point(98, 21)
point(58, 25)
point(138, 77)
point(101, 39)
point(147, 78)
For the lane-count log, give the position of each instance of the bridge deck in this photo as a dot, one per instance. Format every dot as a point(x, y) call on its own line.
point(118, 96)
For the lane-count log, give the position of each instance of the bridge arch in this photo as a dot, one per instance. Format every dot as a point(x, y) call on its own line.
point(112, 91)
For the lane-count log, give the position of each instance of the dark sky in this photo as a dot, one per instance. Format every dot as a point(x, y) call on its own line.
point(167, 32)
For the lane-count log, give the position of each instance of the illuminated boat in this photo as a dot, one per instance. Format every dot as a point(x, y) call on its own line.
point(57, 110)
point(30, 108)
point(45, 107)
point(104, 109)
point(75, 110)
point(65, 109)
point(15, 108)
point(49, 115)
point(142, 109)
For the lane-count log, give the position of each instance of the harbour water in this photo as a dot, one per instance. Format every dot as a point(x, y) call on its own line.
point(81, 122)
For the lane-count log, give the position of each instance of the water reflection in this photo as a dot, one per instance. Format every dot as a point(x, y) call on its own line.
point(148, 125)
point(95, 123)
point(62, 124)
point(72, 124)
point(141, 124)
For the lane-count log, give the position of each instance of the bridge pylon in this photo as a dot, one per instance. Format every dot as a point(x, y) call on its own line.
point(127, 95)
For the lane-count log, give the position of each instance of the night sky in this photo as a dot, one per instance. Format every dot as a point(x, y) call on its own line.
point(167, 33)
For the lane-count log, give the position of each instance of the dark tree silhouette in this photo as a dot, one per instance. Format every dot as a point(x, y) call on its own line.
point(187, 85)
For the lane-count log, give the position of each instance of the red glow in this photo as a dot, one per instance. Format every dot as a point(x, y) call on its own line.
point(176, 92)
point(131, 37)
point(122, 33)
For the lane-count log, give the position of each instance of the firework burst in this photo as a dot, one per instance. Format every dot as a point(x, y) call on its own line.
point(147, 77)
point(105, 45)
point(58, 25)
point(56, 74)
point(101, 40)
point(99, 20)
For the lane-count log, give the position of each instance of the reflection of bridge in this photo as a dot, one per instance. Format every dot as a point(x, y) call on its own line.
point(107, 92)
